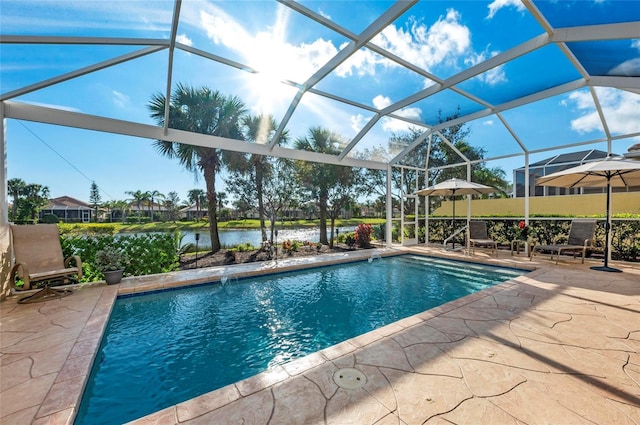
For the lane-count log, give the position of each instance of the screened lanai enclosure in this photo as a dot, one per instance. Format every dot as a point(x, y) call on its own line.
point(395, 81)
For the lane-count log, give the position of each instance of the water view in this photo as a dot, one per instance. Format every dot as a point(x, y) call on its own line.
point(233, 237)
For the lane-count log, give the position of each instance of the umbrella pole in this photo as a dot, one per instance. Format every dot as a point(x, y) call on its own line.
point(607, 230)
point(453, 222)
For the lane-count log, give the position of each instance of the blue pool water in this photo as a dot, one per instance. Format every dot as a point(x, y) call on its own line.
point(163, 348)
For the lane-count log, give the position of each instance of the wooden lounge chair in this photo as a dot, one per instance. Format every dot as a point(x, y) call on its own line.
point(479, 237)
point(580, 239)
point(38, 258)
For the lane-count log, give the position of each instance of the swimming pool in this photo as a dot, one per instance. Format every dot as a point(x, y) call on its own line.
point(163, 348)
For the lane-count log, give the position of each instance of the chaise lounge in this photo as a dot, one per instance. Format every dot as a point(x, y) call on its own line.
point(580, 239)
point(479, 237)
point(39, 259)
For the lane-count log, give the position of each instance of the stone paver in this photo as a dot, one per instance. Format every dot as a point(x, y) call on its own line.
point(558, 345)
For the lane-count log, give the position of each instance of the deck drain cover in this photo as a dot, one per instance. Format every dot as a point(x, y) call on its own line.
point(349, 378)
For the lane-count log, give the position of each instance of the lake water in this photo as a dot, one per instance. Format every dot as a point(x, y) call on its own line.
point(233, 237)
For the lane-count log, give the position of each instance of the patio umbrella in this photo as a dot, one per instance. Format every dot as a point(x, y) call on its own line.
point(609, 172)
point(455, 187)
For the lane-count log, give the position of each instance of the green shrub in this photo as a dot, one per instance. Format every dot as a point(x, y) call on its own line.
point(147, 253)
point(625, 242)
point(138, 219)
point(295, 245)
point(350, 240)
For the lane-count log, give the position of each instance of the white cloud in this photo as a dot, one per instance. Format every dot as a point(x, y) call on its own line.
point(488, 122)
point(395, 125)
point(496, 5)
point(427, 47)
point(620, 108)
point(381, 101)
point(442, 44)
point(636, 43)
point(364, 62)
point(412, 113)
point(324, 14)
point(357, 122)
point(491, 77)
point(630, 68)
point(391, 124)
point(266, 51)
point(182, 38)
point(120, 99)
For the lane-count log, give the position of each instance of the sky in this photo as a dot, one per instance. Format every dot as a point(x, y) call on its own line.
point(440, 37)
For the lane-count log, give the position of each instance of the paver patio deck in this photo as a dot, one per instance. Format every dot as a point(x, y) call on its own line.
point(559, 345)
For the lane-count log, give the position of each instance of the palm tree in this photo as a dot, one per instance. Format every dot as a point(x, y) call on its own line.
point(172, 205)
point(109, 206)
point(257, 168)
point(202, 111)
point(222, 199)
point(122, 206)
point(15, 188)
point(137, 197)
point(153, 196)
point(319, 178)
point(196, 196)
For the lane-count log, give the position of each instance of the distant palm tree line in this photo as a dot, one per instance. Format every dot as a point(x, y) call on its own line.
point(169, 204)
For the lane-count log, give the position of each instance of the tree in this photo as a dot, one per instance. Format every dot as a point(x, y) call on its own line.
point(15, 188)
point(318, 178)
point(458, 135)
point(197, 197)
point(222, 200)
point(32, 198)
point(203, 111)
point(242, 206)
point(123, 207)
point(441, 154)
point(247, 172)
point(154, 195)
point(172, 205)
point(94, 199)
point(109, 206)
point(342, 193)
point(138, 197)
point(280, 191)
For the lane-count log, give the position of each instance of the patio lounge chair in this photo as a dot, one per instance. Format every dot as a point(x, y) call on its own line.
point(478, 236)
point(580, 239)
point(38, 258)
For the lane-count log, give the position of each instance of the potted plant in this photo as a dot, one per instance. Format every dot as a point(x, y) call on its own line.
point(111, 262)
